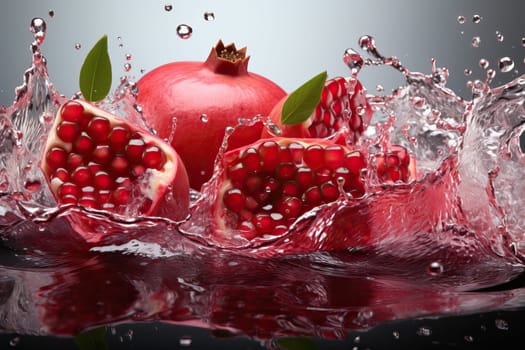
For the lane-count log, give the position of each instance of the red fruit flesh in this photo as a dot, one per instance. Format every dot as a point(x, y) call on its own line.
point(96, 160)
point(222, 89)
point(340, 105)
point(267, 185)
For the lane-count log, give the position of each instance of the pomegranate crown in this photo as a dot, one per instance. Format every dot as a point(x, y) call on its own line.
point(228, 59)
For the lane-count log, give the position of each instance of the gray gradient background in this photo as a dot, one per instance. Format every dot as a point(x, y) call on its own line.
point(289, 40)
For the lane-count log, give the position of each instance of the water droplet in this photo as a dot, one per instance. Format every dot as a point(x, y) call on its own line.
point(491, 73)
point(435, 268)
point(506, 64)
point(501, 324)
point(184, 31)
point(78, 46)
point(168, 7)
point(209, 16)
point(467, 72)
point(353, 60)
point(483, 63)
point(128, 57)
point(461, 19)
point(476, 18)
point(357, 339)
point(127, 67)
point(380, 88)
point(499, 36)
point(204, 118)
point(469, 338)
point(476, 41)
point(14, 342)
point(523, 41)
point(424, 331)
point(142, 70)
point(38, 25)
point(51, 13)
point(395, 334)
point(185, 340)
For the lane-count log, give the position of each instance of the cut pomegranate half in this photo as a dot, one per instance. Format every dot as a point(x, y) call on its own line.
point(93, 159)
point(269, 184)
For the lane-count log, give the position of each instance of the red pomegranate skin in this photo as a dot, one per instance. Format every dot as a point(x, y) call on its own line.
point(222, 89)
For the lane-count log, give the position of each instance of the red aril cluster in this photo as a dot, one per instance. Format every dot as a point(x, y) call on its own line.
point(395, 165)
point(267, 185)
point(96, 160)
point(340, 105)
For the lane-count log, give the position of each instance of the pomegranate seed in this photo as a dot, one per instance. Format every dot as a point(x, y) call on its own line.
point(118, 138)
point(237, 173)
point(67, 131)
point(269, 153)
point(99, 128)
point(253, 184)
point(102, 180)
point(138, 170)
point(61, 174)
point(290, 207)
point(104, 196)
point(263, 223)
point(251, 160)
point(297, 152)
point(88, 191)
point(153, 158)
point(290, 188)
point(334, 156)
point(68, 199)
point(68, 188)
point(270, 185)
point(314, 156)
point(102, 154)
point(322, 175)
point(84, 144)
point(88, 202)
point(72, 111)
point(305, 177)
point(119, 164)
point(121, 196)
point(74, 160)
point(355, 162)
point(329, 191)
point(94, 167)
point(313, 196)
point(56, 157)
point(234, 200)
point(81, 175)
point(134, 149)
point(286, 171)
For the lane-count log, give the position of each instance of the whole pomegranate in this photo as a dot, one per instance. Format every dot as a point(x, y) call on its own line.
point(205, 98)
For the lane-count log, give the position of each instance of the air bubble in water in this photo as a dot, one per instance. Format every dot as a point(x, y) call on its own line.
point(483, 63)
point(209, 16)
point(475, 41)
point(185, 340)
point(204, 118)
point(467, 72)
point(380, 88)
point(127, 67)
point(51, 13)
point(128, 57)
point(184, 31)
point(476, 18)
point(168, 7)
point(501, 324)
point(461, 19)
point(499, 36)
point(38, 25)
point(523, 41)
point(395, 334)
point(435, 268)
point(506, 64)
point(78, 46)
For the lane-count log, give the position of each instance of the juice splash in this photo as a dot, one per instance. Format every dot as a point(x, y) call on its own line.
point(455, 228)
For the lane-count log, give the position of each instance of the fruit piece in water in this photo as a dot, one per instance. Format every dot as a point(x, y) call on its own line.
point(340, 105)
point(222, 89)
point(395, 165)
point(269, 184)
point(96, 160)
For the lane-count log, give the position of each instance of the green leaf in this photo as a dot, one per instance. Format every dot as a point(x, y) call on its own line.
point(296, 343)
point(301, 103)
point(94, 339)
point(95, 74)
